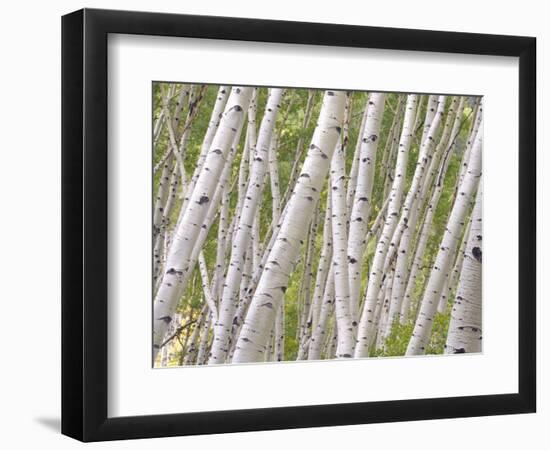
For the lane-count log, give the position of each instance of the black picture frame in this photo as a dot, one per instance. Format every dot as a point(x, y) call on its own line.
point(84, 224)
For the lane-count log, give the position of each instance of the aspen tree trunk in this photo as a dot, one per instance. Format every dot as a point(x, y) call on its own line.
point(213, 124)
point(241, 238)
point(394, 206)
point(455, 274)
point(202, 354)
point(383, 322)
point(280, 333)
point(305, 287)
point(344, 316)
point(269, 293)
point(451, 238)
point(431, 108)
point(319, 335)
point(274, 179)
point(190, 356)
point(189, 227)
point(246, 269)
point(465, 330)
point(205, 282)
point(352, 182)
point(161, 121)
point(325, 259)
point(248, 153)
point(185, 91)
point(380, 219)
point(330, 351)
point(162, 195)
point(391, 146)
point(362, 200)
point(475, 129)
point(223, 225)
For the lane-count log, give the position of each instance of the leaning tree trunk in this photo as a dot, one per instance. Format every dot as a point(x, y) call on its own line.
point(442, 266)
point(213, 124)
point(325, 259)
point(453, 278)
point(394, 205)
point(254, 336)
point(241, 239)
point(177, 262)
point(319, 335)
point(362, 200)
point(465, 326)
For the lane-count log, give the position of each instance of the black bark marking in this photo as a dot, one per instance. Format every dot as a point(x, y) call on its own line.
point(204, 199)
point(476, 251)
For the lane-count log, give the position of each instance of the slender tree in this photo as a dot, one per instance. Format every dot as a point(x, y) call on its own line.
point(465, 327)
point(362, 200)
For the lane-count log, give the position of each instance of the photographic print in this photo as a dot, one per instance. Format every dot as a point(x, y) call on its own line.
point(295, 224)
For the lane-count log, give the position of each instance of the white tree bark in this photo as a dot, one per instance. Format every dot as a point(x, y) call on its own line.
point(352, 182)
point(475, 128)
point(202, 354)
point(431, 108)
point(394, 207)
point(241, 239)
point(323, 267)
point(269, 294)
point(465, 328)
point(205, 282)
point(362, 200)
point(451, 239)
point(189, 227)
point(319, 335)
point(305, 286)
point(344, 318)
point(280, 333)
point(274, 179)
point(213, 124)
point(451, 280)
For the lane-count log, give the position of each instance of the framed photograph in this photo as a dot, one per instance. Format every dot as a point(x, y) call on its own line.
point(273, 224)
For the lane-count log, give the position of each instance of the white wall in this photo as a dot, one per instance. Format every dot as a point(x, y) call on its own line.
point(30, 187)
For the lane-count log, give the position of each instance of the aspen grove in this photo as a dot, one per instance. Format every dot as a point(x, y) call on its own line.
point(305, 224)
